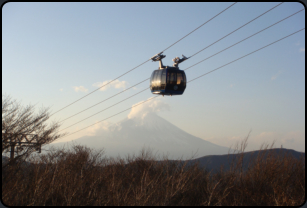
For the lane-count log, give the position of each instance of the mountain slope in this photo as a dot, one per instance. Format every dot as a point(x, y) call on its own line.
point(131, 135)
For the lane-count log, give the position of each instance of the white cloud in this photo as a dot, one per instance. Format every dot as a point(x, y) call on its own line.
point(116, 84)
point(98, 128)
point(61, 90)
point(302, 49)
point(153, 105)
point(276, 75)
point(81, 89)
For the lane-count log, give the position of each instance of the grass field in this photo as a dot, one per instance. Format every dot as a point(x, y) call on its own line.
point(82, 176)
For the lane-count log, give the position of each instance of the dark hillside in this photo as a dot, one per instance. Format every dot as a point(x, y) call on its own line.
point(83, 177)
point(214, 162)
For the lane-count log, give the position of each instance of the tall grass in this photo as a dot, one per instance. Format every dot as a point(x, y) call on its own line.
point(82, 176)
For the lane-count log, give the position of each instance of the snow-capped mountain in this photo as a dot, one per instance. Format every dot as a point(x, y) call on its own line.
point(132, 134)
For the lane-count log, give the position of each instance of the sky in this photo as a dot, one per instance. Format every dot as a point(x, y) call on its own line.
point(55, 53)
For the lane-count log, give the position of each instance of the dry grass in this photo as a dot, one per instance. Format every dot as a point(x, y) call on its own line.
point(81, 176)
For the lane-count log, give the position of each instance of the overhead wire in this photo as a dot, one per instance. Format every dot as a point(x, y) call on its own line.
point(141, 63)
point(106, 108)
point(193, 79)
point(103, 100)
point(190, 66)
point(98, 88)
point(200, 26)
point(245, 38)
point(113, 115)
point(247, 54)
point(238, 28)
point(199, 52)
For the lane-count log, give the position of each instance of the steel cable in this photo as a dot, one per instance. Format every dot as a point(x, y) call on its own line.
point(105, 109)
point(200, 26)
point(113, 115)
point(237, 29)
point(98, 88)
point(245, 39)
point(104, 100)
point(193, 79)
point(195, 54)
point(247, 54)
point(141, 63)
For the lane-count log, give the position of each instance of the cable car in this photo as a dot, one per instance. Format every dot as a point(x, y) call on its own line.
point(168, 80)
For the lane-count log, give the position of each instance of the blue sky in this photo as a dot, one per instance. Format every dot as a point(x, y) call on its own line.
point(55, 53)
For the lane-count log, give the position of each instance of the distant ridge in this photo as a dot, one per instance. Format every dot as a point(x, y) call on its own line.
point(214, 162)
point(129, 136)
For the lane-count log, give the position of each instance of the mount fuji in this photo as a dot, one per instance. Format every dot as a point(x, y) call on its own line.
point(131, 135)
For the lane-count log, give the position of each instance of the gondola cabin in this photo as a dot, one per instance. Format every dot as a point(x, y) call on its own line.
point(168, 81)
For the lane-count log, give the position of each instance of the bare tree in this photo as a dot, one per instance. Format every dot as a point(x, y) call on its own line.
point(25, 131)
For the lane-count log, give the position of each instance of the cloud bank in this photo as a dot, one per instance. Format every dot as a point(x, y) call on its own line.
point(98, 128)
point(81, 89)
point(115, 84)
point(276, 75)
point(151, 106)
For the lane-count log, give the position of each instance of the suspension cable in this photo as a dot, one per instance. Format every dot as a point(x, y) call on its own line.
point(113, 115)
point(247, 54)
point(237, 29)
point(141, 63)
point(193, 55)
point(244, 39)
point(200, 26)
point(106, 108)
point(193, 79)
point(98, 88)
point(104, 100)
